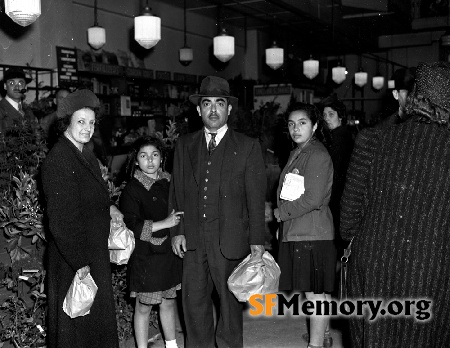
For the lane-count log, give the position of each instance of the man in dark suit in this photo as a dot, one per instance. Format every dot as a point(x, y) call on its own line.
point(219, 182)
point(12, 111)
point(404, 79)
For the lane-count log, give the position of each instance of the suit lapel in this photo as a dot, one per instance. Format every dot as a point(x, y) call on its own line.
point(11, 111)
point(230, 153)
point(195, 152)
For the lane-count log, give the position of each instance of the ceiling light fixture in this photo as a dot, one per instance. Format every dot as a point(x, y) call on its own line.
point(361, 78)
point(223, 46)
point(96, 33)
point(338, 73)
point(23, 12)
point(147, 29)
point(274, 56)
point(378, 79)
point(391, 83)
point(311, 68)
point(186, 55)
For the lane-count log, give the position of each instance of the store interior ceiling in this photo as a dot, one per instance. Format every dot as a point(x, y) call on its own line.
point(313, 27)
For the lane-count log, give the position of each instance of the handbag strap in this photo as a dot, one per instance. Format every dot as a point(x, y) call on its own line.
point(347, 252)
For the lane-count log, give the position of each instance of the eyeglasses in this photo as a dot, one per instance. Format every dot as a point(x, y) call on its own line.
point(12, 83)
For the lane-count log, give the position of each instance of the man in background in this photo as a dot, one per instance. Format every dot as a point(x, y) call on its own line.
point(12, 110)
point(404, 82)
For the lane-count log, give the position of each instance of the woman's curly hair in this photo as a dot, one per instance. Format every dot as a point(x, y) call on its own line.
point(333, 102)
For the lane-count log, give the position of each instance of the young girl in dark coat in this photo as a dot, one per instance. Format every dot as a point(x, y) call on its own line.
point(154, 270)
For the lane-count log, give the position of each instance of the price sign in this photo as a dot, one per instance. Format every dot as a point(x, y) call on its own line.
point(67, 67)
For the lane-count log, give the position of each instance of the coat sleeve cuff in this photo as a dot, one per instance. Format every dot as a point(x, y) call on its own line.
point(147, 232)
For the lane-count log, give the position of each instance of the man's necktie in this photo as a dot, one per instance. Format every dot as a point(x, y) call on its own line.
point(212, 143)
point(21, 109)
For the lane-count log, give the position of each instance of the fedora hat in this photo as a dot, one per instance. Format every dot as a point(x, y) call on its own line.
point(404, 78)
point(213, 86)
point(16, 73)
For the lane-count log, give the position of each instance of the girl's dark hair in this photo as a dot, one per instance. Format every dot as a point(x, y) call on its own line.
point(138, 144)
point(311, 111)
point(62, 123)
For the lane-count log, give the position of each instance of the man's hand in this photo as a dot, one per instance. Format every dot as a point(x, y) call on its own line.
point(179, 245)
point(257, 252)
point(115, 214)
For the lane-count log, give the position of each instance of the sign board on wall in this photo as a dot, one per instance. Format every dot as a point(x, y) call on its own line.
point(281, 94)
point(67, 67)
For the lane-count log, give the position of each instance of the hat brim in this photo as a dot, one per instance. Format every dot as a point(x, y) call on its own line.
point(194, 98)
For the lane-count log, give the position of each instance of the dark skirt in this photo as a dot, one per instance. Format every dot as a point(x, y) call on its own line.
point(307, 266)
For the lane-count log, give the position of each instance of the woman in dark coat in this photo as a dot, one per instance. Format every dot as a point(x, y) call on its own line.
point(154, 270)
point(338, 140)
point(79, 214)
point(396, 206)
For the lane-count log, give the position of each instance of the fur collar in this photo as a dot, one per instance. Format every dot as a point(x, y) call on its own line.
point(146, 181)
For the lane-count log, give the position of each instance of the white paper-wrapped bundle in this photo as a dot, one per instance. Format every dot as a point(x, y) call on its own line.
point(120, 243)
point(250, 277)
point(80, 296)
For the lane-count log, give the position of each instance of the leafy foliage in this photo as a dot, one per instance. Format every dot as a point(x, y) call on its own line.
point(21, 149)
point(172, 134)
point(258, 123)
point(114, 191)
point(21, 216)
point(42, 106)
point(124, 309)
point(23, 324)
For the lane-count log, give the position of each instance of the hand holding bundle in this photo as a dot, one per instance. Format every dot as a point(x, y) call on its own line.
point(120, 243)
point(80, 296)
point(254, 277)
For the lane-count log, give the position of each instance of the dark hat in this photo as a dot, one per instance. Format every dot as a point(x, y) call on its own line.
point(15, 73)
point(77, 100)
point(404, 78)
point(433, 82)
point(213, 86)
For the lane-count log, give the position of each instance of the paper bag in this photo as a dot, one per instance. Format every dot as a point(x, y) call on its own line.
point(120, 243)
point(249, 278)
point(80, 296)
